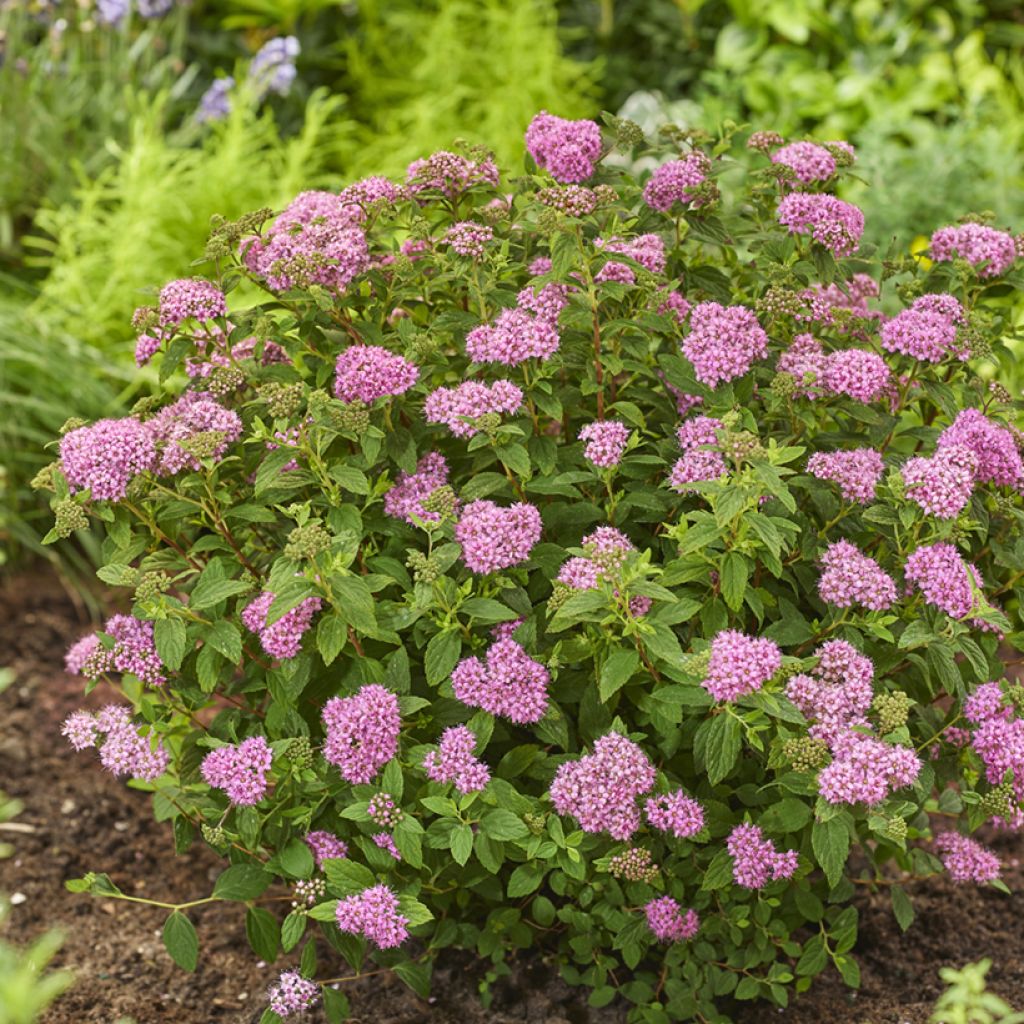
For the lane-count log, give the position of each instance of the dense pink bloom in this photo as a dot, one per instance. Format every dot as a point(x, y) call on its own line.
point(865, 770)
point(606, 442)
point(362, 732)
point(808, 161)
point(241, 771)
point(701, 461)
point(84, 655)
point(965, 859)
point(647, 250)
point(600, 790)
point(547, 302)
point(468, 238)
point(723, 343)
point(994, 447)
point(80, 730)
point(147, 346)
point(755, 861)
point(675, 812)
point(606, 549)
point(365, 373)
point(106, 457)
point(459, 408)
point(326, 846)
point(367, 191)
point(832, 223)
point(976, 243)
point(316, 239)
point(667, 921)
point(740, 664)
point(568, 150)
point(837, 692)
point(856, 472)
point(450, 173)
point(673, 182)
point(405, 499)
point(927, 330)
point(124, 749)
point(804, 360)
point(942, 485)
point(283, 638)
point(516, 335)
point(850, 577)
point(511, 684)
point(495, 538)
point(674, 305)
point(134, 649)
point(374, 914)
point(856, 373)
point(190, 298)
point(944, 578)
point(454, 761)
point(179, 423)
point(984, 703)
point(292, 994)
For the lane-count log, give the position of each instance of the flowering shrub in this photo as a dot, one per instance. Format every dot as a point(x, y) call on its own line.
point(565, 561)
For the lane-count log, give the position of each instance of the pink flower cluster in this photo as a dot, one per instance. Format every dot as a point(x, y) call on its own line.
point(755, 861)
point(241, 771)
point(358, 197)
point(494, 538)
point(315, 239)
point(459, 408)
point(468, 238)
point(511, 684)
point(927, 330)
point(851, 577)
point(667, 921)
point(998, 739)
point(124, 750)
point(723, 343)
point(283, 638)
point(837, 692)
point(105, 457)
point(740, 664)
point(673, 182)
point(546, 302)
point(852, 296)
point(405, 499)
point(325, 846)
point(134, 651)
point(450, 174)
point(836, 225)
point(190, 298)
point(808, 161)
point(866, 770)
point(516, 335)
point(942, 484)
point(606, 442)
point(856, 373)
point(966, 859)
point(362, 732)
point(674, 305)
point(365, 373)
point(944, 578)
point(292, 994)
point(174, 426)
point(675, 812)
point(568, 150)
point(606, 549)
point(374, 914)
point(978, 244)
point(600, 789)
point(647, 250)
point(454, 761)
point(856, 472)
point(383, 810)
point(994, 448)
point(701, 460)
point(386, 843)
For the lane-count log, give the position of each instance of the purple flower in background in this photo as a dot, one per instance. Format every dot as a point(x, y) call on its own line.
point(215, 103)
point(112, 12)
point(273, 67)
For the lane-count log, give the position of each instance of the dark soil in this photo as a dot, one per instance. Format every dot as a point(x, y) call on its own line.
point(82, 819)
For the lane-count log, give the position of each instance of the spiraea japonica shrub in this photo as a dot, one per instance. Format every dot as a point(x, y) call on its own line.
point(568, 562)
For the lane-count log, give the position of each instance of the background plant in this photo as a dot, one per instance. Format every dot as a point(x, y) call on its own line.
point(400, 643)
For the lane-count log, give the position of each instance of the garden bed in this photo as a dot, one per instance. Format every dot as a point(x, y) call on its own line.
point(82, 819)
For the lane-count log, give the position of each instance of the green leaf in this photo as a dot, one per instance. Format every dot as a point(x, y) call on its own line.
point(525, 879)
point(830, 841)
point(486, 609)
point(208, 593)
point(503, 825)
point(346, 877)
point(355, 599)
point(902, 908)
point(181, 941)
point(225, 638)
point(296, 859)
point(721, 746)
point(516, 458)
point(718, 873)
point(411, 908)
point(788, 815)
point(170, 638)
point(336, 1006)
point(416, 976)
point(733, 579)
point(331, 634)
point(324, 911)
point(263, 932)
point(292, 929)
point(462, 844)
point(617, 670)
point(442, 655)
point(813, 958)
point(242, 882)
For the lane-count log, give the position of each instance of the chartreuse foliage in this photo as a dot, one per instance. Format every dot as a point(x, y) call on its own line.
point(291, 500)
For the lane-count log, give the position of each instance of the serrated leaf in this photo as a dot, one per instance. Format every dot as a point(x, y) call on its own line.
point(733, 579)
point(336, 1006)
point(442, 655)
point(902, 908)
point(181, 940)
point(830, 841)
point(525, 879)
point(242, 882)
point(331, 634)
point(346, 876)
point(225, 638)
point(263, 933)
point(170, 638)
point(721, 748)
point(292, 929)
point(503, 825)
point(462, 844)
point(296, 859)
point(616, 671)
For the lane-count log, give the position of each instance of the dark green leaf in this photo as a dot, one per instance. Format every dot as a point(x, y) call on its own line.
point(181, 940)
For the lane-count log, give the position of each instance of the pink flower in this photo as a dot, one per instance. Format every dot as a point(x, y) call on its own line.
point(850, 577)
point(836, 225)
point(740, 664)
point(454, 761)
point(175, 426)
point(674, 182)
point(517, 335)
point(837, 692)
point(283, 638)
point(405, 499)
point(362, 732)
point(942, 485)
point(365, 373)
point(459, 408)
point(606, 442)
point(994, 447)
point(106, 457)
point(568, 150)
point(325, 846)
point(374, 914)
point(756, 862)
point(856, 373)
point(944, 578)
point(866, 770)
point(494, 538)
point(450, 174)
point(241, 771)
point(468, 238)
point(808, 161)
point(190, 299)
point(856, 472)
point(668, 922)
point(927, 330)
point(965, 859)
point(293, 994)
point(978, 244)
point(607, 548)
point(511, 684)
point(723, 343)
point(675, 812)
